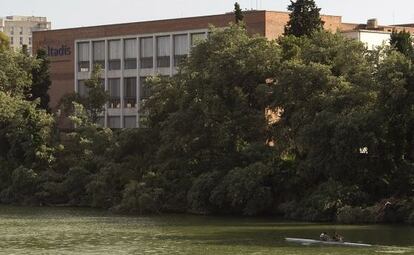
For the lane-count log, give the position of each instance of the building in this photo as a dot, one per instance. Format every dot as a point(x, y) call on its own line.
point(131, 52)
point(374, 35)
point(20, 29)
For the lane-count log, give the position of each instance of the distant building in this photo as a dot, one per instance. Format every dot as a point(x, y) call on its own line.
point(372, 34)
point(20, 29)
point(131, 52)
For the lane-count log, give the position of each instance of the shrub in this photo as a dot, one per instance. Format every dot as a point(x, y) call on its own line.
point(323, 203)
point(244, 190)
point(199, 194)
point(137, 197)
point(23, 186)
point(354, 215)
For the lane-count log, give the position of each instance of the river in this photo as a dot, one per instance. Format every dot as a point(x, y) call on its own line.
point(25, 230)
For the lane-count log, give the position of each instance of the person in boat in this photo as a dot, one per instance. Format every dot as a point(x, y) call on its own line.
point(324, 237)
point(337, 238)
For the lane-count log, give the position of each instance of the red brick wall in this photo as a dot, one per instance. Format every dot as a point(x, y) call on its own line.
point(276, 22)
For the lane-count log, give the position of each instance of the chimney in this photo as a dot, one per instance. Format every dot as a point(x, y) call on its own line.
point(372, 24)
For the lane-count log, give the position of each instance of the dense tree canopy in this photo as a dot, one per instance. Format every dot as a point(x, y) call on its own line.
point(309, 127)
point(4, 42)
point(304, 18)
point(403, 42)
point(41, 80)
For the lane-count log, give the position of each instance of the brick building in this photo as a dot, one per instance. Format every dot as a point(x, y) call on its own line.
point(131, 52)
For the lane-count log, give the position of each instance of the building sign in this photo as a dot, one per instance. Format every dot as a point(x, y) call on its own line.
point(63, 50)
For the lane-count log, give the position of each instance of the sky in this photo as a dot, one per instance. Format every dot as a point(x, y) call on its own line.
point(78, 13)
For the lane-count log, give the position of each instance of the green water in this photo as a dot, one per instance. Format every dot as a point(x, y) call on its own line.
point(83, 231)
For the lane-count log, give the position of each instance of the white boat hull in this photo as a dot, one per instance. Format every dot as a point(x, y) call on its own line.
point(311, 241)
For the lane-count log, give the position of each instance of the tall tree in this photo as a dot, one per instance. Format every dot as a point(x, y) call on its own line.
point(238, 14)
point(402, 42)
point(41, 80)
point(304, 18)
point(4, 41)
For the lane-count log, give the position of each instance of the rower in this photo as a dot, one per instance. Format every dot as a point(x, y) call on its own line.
point(337, 238)
point(324, 237)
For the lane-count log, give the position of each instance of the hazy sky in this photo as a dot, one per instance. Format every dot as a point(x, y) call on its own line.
point(74, 13)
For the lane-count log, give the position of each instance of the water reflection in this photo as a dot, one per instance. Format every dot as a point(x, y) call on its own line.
point(85, 231)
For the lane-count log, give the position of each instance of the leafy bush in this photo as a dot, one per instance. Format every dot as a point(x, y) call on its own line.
point(323, 203)
point(244, 190)
point(394, 210)
point(23, 187)
point(137, 197)
point(354, 215)
point(199, 194)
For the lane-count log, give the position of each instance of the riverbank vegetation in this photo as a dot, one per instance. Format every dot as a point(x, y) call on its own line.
point(312, 128)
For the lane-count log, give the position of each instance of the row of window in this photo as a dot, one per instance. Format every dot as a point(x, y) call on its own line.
point(21, 30)
point(114, 89)
point(115, 121)
point(163, 51)
point(21, 40)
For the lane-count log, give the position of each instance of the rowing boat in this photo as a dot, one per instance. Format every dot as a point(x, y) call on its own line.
point(311, 241)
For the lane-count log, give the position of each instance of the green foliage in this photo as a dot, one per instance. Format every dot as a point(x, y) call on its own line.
point(304, 18)
point(97, 96)
point(324, 202)
point(238, 14)
point(4, 42)
point(139, 198)
point(211, 112)
point(309, 128)
point(328, 98)
point(402, 42)
point(354, 215)
point(15, 76)
point(24, 133)
point(22, 188)
point(199, 195)
point(87, 109)
point(244, 190)
point(41, 80)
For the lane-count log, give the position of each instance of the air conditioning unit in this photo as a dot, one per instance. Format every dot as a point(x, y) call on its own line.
point(372, 24)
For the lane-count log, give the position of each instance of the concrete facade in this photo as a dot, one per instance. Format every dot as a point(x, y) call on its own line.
point(20, 28)
point(132, 51)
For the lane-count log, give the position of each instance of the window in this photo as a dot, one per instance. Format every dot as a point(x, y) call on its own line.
point(115, 55)
point(147, 52)
point(180, 48)
point(114, 93)
point(114, 122)
point(83, 57)
point(130, 92)
point(144, 89)
point(98, 55)
point(163, 51)
point(130, 50)
point(30, 40)
point(197, 37)
point(11, 40)
point(83, 91)
point(130, 121)
point(12, 30)
point(21, 40)
point(21, 30)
